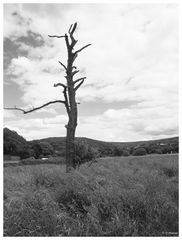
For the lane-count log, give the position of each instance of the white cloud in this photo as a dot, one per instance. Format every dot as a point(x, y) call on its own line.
point(48, 110)
point(115, 55)
point(36, 128)
point(9, 114)
point(130, 124)
point(113, 125)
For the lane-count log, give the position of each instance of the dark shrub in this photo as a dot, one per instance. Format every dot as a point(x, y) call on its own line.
point(170, 172)
point(139, 152)
point(41, 148)
point(126, 153)
point(117, 151)
point(26, 153)
point(73, 202)
point(84, 152)
point(158, 151)
point(104, 211)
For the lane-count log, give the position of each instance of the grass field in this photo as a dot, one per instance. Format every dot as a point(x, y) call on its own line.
point(121, 196)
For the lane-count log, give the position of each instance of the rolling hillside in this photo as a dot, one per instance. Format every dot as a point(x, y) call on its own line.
point(59, 144)
point(95, 143)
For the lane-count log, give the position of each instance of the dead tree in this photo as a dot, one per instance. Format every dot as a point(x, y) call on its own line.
point(69, 93)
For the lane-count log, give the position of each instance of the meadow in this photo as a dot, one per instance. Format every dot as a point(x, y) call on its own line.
point(115, 196)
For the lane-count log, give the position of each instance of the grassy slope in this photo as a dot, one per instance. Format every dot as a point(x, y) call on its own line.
point(121, 196)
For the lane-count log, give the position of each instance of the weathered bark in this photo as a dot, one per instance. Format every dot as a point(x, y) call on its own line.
point(70, 146)
point(69, 92)
point(72, 123)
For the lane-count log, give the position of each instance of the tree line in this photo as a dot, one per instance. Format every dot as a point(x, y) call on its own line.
point(15, 144)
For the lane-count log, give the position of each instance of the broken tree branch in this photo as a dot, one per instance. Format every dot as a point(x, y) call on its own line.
point(66, 101)
point(73, 29)
point(67, 42)
point(57, 36)
point(79, 79)
point(74, 56)
point(70, 28)
point(76, 88)
point(82, 48)
point(15, 108)
point(60, 84)
point(75, 72)
point(63, 65)
point(37, 108)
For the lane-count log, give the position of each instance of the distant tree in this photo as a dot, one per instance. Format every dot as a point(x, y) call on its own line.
point(158, 151)
point(139, 151)
point(126, 153)
point(147, 147)
point(26, 153)
point(106, 150)
point(117, 151)
point(69, 93)
point(164, 149)
point(152, 148)
point(175, 147)
point(42, 148)
point(46, 148)
point(131, 150)
point(170, 148)
point(37, 150)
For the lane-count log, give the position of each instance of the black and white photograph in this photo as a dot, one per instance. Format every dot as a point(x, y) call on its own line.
point(91, 119)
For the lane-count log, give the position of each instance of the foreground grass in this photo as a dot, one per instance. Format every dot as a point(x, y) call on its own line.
point(121, 196)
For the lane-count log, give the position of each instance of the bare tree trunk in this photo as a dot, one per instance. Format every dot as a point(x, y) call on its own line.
point(72, 105)
point(70, 146)
point(72, 124)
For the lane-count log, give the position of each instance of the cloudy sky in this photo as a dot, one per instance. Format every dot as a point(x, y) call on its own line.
point(131, 90)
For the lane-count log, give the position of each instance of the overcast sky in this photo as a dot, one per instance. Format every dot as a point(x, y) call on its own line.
point(131, 90)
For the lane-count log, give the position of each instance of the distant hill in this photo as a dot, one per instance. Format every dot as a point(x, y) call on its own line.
point(165, 145)
point(93, 142)
point(15, 144)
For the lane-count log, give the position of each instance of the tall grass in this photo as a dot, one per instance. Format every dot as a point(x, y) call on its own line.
point(132, 196)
